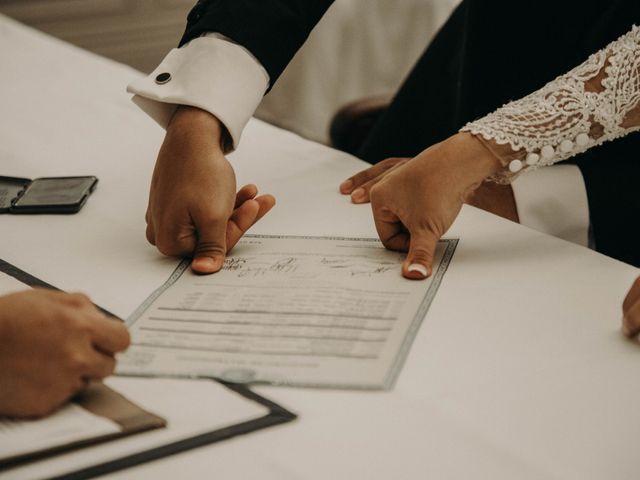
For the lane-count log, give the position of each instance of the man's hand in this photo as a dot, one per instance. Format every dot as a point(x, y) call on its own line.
point(193, 205)
point(631, 311)
point(415, 201)
point(51, 345)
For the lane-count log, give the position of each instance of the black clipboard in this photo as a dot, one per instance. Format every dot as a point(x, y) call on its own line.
point(277, 415)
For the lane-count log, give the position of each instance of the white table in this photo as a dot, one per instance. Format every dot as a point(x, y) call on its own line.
point(518, 371)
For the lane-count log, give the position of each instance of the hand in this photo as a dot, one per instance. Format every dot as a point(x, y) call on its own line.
point(631, 311)
point(193, 205)
point(489, 196)
point(51, 345)
point(359, 185)
point(415, 201)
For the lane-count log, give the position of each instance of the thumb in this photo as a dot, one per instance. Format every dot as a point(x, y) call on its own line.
point(211, 248)
point(422, 248)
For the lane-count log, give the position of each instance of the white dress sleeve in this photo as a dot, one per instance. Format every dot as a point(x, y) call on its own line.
point(595, 102)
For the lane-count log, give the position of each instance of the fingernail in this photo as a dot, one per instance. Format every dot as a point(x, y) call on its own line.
point(205, 265)
point(357, 194)
point(346, 185)
point(421, 269)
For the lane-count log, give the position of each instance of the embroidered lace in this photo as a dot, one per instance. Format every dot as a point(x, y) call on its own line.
point(595, 102)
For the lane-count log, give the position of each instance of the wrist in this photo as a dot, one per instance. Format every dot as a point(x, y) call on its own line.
point(477, 161)
point(201, 125)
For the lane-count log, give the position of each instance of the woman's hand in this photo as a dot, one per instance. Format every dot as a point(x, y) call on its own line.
point(631, 311)
point(51, 345)
point(489, 196)
point(415, 201)
point(359, 185)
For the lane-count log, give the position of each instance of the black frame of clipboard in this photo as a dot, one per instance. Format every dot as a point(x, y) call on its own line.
point(277, 415)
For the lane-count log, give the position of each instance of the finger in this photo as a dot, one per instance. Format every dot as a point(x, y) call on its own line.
point(246, 216)
point(266, 202)
point(99, 366)
point(247, 192)
point(241, 220)
point(631, 321)
point(176, 237)
point(391, 231)
point(211, 246)
point(77, 300)
point(632, 297)
point(362, 193)
point(109, 335)
point(368, 174)
point(419, 262)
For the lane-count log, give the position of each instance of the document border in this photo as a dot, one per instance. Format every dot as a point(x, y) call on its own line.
point(396, 366)
point(412, 331)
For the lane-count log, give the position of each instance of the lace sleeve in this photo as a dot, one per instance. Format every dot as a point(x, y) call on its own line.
point(595, 102)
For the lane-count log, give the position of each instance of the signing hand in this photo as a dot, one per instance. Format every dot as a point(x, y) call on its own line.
point(631, 311)
point(51, 345)
point(193, 205)
point(415, 201)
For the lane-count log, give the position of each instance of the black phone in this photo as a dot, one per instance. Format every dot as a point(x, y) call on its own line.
point(45, 195)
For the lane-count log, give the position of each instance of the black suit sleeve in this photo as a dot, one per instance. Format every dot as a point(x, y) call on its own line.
point(272, 30)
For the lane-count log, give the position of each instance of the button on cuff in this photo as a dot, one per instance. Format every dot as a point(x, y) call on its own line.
point(163, 78)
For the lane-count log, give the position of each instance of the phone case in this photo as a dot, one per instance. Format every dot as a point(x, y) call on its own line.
point(13, 190)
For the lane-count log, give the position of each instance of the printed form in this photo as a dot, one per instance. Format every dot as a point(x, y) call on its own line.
point(305, 311)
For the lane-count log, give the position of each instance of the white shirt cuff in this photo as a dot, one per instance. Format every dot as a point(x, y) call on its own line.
point(554, 201)
point(211, 73)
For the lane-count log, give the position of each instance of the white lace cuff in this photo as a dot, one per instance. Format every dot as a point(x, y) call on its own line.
point(593, 103)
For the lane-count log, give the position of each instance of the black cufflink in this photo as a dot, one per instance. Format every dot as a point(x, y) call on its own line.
point(163, 78)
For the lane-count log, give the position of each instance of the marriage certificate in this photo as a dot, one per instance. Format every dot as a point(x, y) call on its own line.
point(305, 311)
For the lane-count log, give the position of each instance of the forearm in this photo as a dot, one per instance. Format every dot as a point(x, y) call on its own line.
point(596, 102)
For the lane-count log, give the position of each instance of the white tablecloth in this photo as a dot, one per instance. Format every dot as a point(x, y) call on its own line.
point(518, 371)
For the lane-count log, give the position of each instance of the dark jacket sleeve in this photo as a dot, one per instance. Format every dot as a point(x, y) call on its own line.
point(272, 30)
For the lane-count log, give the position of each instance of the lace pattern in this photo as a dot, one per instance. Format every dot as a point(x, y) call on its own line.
point(566, 117)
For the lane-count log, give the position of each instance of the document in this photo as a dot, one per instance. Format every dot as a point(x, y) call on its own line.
point(305, 311)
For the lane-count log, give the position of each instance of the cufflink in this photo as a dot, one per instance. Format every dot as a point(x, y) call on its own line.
point(163, 78)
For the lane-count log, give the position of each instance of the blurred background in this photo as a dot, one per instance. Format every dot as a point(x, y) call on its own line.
point(360, 48)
